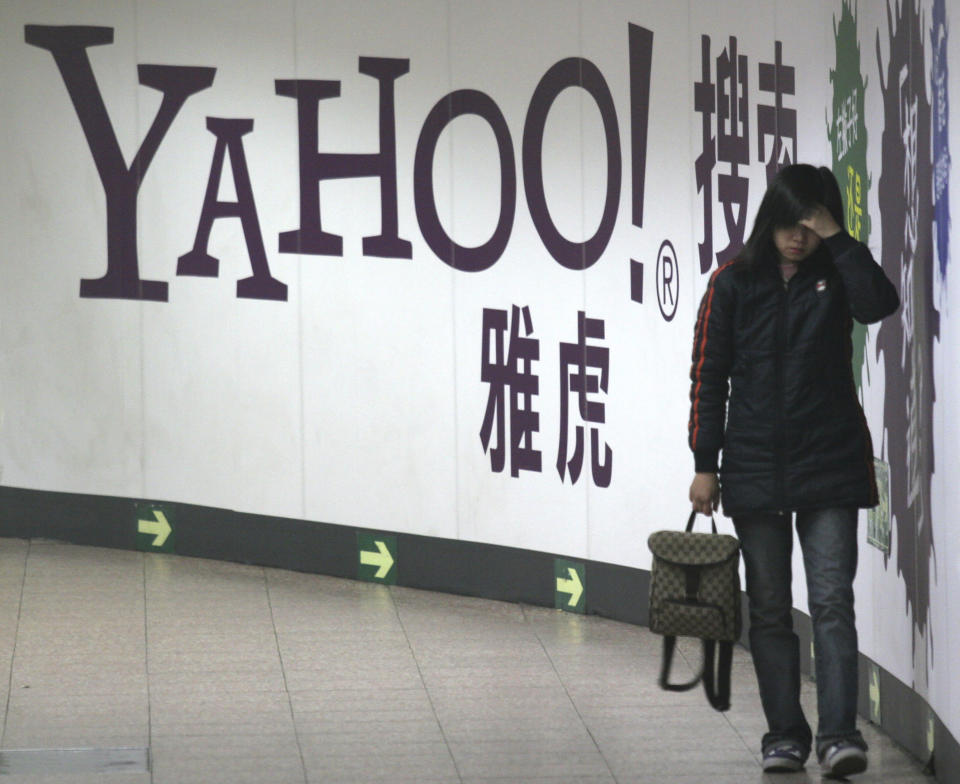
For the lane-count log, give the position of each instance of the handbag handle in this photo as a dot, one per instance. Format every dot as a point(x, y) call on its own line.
point(693, 516)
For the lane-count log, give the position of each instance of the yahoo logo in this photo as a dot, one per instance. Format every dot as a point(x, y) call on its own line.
point(121, 182)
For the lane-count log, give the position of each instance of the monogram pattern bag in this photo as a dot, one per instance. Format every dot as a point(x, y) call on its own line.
point(695, 592)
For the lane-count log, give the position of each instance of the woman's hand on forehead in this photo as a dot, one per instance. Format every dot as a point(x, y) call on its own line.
point(821, 222)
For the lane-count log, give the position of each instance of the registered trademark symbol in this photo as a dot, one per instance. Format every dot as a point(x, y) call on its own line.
point(668, 280)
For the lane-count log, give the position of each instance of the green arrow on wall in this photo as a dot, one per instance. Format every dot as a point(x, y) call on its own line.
point(378, 558)
point(154, 529)
point(158, 528)
point(570, 585)
point(875, 694)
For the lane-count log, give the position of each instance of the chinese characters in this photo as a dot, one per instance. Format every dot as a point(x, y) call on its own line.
point(508, 351)
point(728, 98)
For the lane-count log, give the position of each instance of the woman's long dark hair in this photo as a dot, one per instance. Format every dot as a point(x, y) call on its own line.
point(794, 192)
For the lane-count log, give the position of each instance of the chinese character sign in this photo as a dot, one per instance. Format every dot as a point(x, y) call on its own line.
point(723, 93)
point(508, 369)
point(510, 418)
point(584, 371)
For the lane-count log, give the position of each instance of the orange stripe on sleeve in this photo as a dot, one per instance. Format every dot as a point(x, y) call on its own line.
point(705, 320)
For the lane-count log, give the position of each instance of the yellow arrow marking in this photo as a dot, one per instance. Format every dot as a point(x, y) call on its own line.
point(382, 559)
point(931, 734)
point(573, 586)
point(875, 693)
point(158, 528)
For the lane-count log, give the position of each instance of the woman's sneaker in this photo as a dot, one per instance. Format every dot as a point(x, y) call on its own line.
point(784, 757)
point(842, 759)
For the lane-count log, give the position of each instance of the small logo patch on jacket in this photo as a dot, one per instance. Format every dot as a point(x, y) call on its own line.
point(821, 286)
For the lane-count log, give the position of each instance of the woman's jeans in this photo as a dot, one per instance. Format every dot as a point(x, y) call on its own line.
point(828, 538)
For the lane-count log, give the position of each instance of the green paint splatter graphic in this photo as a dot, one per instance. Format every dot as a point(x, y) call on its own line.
point(848, 140)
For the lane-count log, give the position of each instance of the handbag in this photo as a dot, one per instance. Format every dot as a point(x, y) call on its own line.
point(695, 592)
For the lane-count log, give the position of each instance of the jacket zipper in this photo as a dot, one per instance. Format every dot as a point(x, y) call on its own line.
point(779, 435)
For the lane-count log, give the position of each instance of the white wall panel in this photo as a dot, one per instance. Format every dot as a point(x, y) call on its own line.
point(71, 368)
point(491, 51)
point(377, 332)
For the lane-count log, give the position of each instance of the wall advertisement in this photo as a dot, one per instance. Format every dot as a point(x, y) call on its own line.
point(434, 267)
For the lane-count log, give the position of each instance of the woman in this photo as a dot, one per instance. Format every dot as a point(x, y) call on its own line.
point(774, 332)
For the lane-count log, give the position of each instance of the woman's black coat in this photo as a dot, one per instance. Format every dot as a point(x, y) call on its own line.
point(793, 435)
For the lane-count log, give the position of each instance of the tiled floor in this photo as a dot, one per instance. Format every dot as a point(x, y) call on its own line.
point(231, 673)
